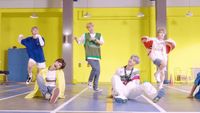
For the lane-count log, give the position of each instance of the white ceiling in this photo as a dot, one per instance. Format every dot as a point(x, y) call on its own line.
point(92, 3)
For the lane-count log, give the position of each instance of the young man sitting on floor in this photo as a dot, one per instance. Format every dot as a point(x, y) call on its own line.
point(50, 82)
point(126, 83)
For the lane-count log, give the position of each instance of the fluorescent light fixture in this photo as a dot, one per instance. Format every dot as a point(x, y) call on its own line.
point(189, 14)
point(140, 14)
point(34, 16)
point(87, 15)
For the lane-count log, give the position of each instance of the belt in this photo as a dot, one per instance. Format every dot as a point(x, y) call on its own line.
point(50, 80)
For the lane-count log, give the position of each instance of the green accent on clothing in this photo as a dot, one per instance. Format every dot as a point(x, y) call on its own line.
point(92, 49)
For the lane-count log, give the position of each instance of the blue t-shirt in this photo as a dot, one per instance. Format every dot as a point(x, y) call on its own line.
point(34, 49)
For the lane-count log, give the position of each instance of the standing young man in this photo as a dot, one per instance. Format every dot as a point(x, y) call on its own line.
point(34, 49)
point(50, 82)
point(92, 43)
point(158, 49)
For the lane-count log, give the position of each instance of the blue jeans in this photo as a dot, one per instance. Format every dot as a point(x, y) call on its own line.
point(43, 88)
point(197, 82)
point(95, 72)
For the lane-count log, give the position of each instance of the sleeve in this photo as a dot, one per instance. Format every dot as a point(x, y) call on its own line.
point(170, 45)
point(136, 75)
point(61, 83)
point(101, 39)
point(147, 42)
point(81, 40)
point(41, 41)
point(24, 41)
point(118, 72)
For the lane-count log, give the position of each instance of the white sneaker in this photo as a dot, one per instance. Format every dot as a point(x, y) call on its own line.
point(98, 90)
point(120, 99)
point(90, 85)
point(47, 96)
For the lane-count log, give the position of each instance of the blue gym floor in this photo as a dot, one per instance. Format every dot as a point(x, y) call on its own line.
point(80, 99)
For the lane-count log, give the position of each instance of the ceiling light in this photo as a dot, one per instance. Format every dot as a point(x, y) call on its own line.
point(34, 15)
point(87, 15)
point(189, 14)
point(140, 14)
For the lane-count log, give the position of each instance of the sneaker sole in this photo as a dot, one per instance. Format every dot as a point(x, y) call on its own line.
point(54, 96)
point(119, 100)
point(98, 90)
point(28, 81)
point(155, 100)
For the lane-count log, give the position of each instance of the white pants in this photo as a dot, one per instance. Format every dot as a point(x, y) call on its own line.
point(133, 89)
point(39, 65)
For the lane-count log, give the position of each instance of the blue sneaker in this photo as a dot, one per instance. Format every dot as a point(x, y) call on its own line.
point(119, 99)
point(161, 93)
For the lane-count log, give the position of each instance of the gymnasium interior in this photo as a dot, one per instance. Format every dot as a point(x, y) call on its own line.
point(122, 23)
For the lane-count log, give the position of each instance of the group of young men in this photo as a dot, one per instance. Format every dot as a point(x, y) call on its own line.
point(126, 83)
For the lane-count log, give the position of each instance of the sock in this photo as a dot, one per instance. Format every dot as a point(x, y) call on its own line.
point(161, 93)
point(30, 75)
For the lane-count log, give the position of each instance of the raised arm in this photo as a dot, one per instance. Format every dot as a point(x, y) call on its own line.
point(41, 40)
point(81, 40)
point(20, 38)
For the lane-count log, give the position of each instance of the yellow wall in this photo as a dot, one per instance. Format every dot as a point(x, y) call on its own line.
point(121, 30)
point(17, 21)
point(185, 31)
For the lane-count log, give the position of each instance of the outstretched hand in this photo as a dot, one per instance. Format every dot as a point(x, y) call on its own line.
point(20, 37)
point(75, 38)
point(38, 36)
point(144, 38)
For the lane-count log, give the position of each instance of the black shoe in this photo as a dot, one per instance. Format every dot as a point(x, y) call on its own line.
point(28, 80)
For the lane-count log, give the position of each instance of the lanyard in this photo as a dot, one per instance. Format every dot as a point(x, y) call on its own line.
point(127, 76)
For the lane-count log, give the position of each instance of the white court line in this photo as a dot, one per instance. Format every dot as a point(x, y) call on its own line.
point(104, 112)
point(14, 96)
point(182, 90)
point(25, 111)
point(114, 112)
point(7, 86)
point(155, 105)
point(67, 102)
point(3, 91)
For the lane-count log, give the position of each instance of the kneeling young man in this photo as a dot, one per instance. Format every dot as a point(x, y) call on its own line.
point(50, 82)
point(126, 83)
point(195, 91)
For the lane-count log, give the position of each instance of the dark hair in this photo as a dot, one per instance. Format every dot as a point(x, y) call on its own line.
point(61, 60)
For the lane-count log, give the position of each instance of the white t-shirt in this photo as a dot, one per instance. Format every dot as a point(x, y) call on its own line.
point(135, 76)
point(51, 75)
point(81, 40)
point(158, 50)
